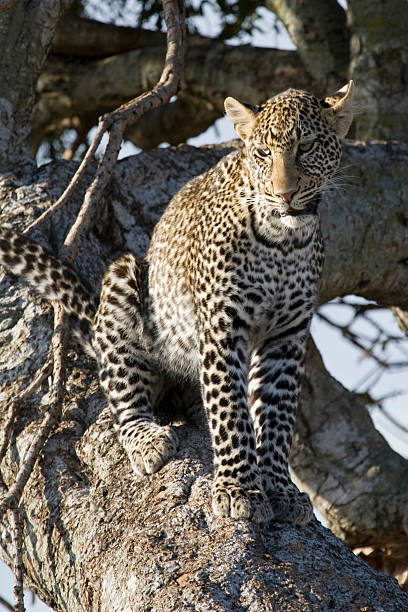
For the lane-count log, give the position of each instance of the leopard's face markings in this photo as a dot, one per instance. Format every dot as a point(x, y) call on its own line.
point(292, 149)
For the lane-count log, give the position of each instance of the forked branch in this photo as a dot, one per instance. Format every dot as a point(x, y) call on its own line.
point(115, 124)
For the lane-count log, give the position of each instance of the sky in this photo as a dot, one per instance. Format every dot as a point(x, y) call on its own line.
point(342, 360)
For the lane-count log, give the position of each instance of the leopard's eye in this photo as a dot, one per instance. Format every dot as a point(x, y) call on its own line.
point(263, 152)
point(304, 147)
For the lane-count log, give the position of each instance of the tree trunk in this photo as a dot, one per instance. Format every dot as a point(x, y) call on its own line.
point(26, 32)
point(379, 64)
point(319, 31)
point(99, 538)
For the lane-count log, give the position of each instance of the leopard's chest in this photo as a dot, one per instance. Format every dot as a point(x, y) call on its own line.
point(275, 286)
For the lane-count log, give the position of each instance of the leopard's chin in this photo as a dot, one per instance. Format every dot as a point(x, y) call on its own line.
point(295, 222)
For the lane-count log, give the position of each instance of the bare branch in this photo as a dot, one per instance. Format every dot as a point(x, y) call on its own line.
point(17, 533)
point(6, 604)
point(77, 36)
point(213, 70)
point(367, 344)
point(63, 199)
point(185, 118)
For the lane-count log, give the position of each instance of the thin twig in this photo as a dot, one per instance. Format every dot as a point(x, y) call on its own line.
point(104, 172)
point(368, 351)
point(59, 342)
point(389, 416)
point(6, 604)
point(17, 535)
point(64, 197)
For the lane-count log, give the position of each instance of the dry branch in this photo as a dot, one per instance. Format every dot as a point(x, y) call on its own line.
point(17, 531)
point(6, 604)
point(213, 70)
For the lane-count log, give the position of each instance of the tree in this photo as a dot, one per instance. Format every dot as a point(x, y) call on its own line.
point(94, 536)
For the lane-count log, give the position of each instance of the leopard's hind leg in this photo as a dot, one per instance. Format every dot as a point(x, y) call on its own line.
point(127, 373)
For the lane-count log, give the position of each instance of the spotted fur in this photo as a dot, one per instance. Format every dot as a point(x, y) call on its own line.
point(224, 298)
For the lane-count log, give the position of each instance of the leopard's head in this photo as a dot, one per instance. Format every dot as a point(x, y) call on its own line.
point(292, 145)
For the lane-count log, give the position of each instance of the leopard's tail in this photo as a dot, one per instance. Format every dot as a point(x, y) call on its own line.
point(50, 278)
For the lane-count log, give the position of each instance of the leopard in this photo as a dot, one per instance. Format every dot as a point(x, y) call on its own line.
point(223, 302)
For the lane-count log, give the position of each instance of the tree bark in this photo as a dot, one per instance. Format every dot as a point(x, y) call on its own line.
point(26, 32)
point(353, 477)
point(372, 48)
point(99, 538)
point(379, 64)
point(367, 43)
point(319, 31)
point(371, 205)
point(80, 37)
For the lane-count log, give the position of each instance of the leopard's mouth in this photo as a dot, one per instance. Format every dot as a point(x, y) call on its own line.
point(309, 209)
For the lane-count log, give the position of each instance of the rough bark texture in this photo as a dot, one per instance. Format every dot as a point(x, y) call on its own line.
point(26, 32)
point(97, 537)
point(379, 64)
point(319, 31)
point(344, 463)
point(370, 205)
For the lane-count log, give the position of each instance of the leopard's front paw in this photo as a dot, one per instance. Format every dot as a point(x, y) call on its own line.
point(290, 506)
point(151, 447)
point(230, 499)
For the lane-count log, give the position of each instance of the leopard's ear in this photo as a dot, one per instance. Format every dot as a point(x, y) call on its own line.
point(242, 116)
point(338, 109)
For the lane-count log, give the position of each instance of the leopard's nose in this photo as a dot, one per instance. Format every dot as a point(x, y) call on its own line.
point(287, 196)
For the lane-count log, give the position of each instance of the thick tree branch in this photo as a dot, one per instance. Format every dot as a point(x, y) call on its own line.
point(188, 116)
point(354, 478)
point(77, 36)
point(379, 64)
point(98, 490)
point(212, 71)
point(319, 31)
point(365, 226)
